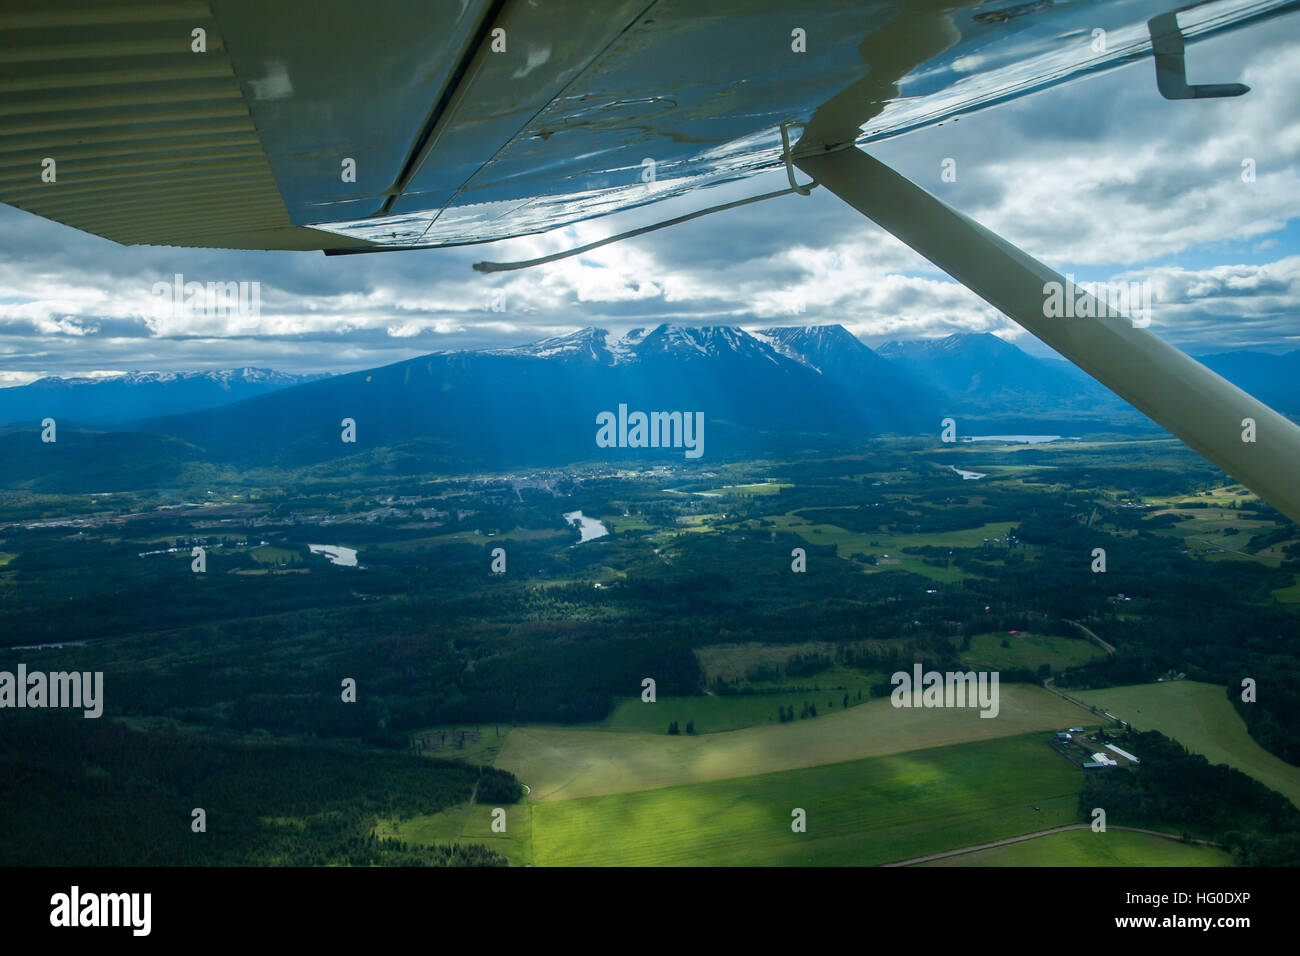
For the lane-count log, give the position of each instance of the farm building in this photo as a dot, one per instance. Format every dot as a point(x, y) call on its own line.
point(1104, 760)
point(1123, 753)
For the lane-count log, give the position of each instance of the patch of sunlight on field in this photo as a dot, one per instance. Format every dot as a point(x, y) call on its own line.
point(1085, 848)
point(862, 812)
point(465, 824)
point(559, 763)
point(1202, 719)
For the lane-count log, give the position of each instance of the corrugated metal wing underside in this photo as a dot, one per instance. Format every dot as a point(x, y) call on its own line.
point(151, 141)
point(455, 142)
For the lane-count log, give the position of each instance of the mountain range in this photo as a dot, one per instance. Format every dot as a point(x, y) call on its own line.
point(980, 373)
point(122, 398)
point(538, 403)
point(1273, 379)
point(760, 392)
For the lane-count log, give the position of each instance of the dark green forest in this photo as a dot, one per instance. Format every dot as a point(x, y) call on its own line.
point(1173, 788)
point(250, 656)
point(97, 792)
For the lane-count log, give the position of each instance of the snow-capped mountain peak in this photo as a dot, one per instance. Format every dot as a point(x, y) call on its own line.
point(582, 344)
point(135, 394)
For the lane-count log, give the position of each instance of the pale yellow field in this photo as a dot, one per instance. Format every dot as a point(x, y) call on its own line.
point(560, 764)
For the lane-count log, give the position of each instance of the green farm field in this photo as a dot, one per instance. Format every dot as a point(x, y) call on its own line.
point(466, 824)
point(560, 763)
point(863, 812)
point(1085, 848)
point(1289, 595)
point(1201, 718)
point(1029, 650)
point(269, 554)
point(850, 542)
point(714, 714)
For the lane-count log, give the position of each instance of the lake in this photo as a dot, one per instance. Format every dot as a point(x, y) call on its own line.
point(589, 528)
point(337, 554)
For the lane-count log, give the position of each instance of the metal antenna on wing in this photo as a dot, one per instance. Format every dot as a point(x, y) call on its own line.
point(1167, 45)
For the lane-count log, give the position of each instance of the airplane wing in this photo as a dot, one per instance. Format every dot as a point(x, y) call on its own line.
point(331, 124)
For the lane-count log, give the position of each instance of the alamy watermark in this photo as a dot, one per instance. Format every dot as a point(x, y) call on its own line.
point(178, 298)
point(653, 430)
point(73, 689)
point(1094, 300)
point(952, 689)
point(75, 908)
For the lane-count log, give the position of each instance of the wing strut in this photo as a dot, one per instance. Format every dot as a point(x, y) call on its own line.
point(1206, 411)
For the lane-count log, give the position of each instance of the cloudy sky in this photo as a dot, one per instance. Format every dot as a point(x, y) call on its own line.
point(1100, 178)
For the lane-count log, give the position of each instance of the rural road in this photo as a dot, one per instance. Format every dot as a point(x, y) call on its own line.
point(1222, 548)
point(1110, 648)
point(1049, 685)
point(1034, 836)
